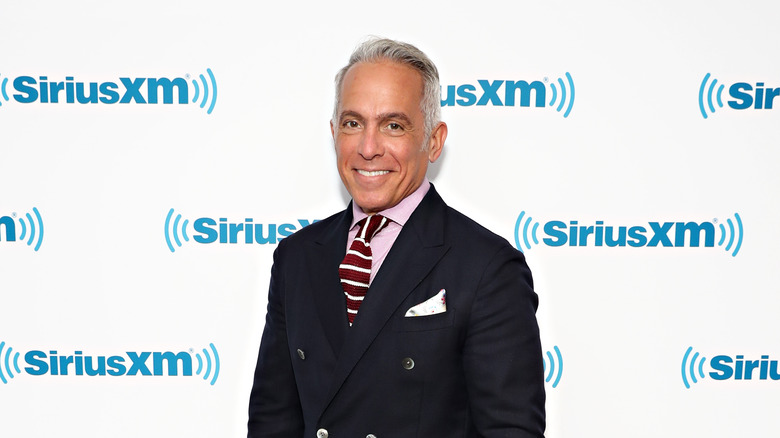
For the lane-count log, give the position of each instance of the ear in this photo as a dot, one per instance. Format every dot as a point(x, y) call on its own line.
point(436, 142)
point(332, 132)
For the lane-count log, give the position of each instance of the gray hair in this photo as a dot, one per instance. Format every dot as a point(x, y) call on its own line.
point(378, 49)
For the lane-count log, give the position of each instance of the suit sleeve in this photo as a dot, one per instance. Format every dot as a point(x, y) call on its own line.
point(274, 407)
point(502, 352)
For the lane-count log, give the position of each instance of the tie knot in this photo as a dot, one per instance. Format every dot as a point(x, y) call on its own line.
point(370, 226)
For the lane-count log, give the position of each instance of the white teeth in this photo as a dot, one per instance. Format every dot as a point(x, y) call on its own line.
point(373, 173)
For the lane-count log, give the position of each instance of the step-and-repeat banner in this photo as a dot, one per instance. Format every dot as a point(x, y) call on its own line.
point(153, 154)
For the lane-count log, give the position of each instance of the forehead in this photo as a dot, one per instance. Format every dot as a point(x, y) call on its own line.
point(381, 83)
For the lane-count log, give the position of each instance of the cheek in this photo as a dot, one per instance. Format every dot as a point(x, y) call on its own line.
point(341, 152)
point(346, 146)
point(409, 155)
point(418, 161)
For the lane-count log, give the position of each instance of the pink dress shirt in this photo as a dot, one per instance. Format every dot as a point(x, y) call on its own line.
point(383, 241)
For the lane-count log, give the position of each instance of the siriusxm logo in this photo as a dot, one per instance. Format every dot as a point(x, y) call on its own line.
point(513, 93)
point(553, 366)
point(209, 230)
point(726, 367)
point(30, 230)
point(744, 95)
point(129, 363)
point(123, 90)
point(681, 234)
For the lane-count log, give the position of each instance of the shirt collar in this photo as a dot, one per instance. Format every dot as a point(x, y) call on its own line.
point(398, 213)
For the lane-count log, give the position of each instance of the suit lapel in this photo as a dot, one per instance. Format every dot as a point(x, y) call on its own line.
point(324, 258)
point(418, 248)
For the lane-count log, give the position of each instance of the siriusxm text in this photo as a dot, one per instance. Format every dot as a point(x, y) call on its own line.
point(209, 230)
point(746, 96)
point(726, 367)
point(129, 364)
point(496, 93)
point(124, 90)
point(7, 229)
point(669, 234)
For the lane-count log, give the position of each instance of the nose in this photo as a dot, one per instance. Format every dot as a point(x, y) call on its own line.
point(370, 145)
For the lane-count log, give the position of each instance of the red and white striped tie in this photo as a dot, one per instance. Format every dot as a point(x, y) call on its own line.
point(355, 269)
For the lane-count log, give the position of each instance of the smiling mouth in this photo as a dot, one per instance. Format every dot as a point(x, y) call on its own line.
point(373, 172)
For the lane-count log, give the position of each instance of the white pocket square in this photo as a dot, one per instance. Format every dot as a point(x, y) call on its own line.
point(431, 306)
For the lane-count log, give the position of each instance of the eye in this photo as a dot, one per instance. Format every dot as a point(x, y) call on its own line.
point(394, 129)
point(351, 124)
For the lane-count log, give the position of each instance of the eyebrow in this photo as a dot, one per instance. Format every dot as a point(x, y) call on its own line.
point(350, 114)
point(398, 116)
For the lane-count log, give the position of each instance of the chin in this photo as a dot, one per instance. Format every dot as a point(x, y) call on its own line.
point(371, 205)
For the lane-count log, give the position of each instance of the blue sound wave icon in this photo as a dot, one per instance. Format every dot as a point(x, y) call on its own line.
point(733, 233)
point(3, 92)
point(565, 92)
point(211, 364)
point(35, 228)
point(690, 367)
point(173, 230)
point(525, 228)
point(553, 366)
point(209, 91)
point(706, 94)
point(8, 358)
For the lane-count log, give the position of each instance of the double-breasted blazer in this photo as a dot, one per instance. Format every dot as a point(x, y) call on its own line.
point(474, 370)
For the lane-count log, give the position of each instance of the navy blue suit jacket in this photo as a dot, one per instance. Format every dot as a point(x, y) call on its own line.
point(473, 371)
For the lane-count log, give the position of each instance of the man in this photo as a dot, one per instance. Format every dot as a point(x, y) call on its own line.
point(444, 342)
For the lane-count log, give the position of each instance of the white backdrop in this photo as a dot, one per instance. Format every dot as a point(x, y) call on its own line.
point(634, 149)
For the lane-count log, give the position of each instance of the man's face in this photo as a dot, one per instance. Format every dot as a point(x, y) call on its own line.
point(380, 134)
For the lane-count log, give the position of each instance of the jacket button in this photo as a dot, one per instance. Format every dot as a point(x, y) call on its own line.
point(370, 435)
point(407, 363)
point(322, 433)
point(302, 355)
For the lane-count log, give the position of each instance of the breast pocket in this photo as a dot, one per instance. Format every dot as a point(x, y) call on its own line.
point(423, 323)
